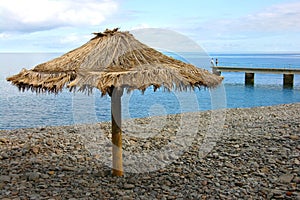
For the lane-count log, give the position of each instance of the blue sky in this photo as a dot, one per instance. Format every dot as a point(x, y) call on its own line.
point(216, 25)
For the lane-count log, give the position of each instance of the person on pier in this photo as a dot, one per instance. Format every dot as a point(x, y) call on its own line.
point(212, 62)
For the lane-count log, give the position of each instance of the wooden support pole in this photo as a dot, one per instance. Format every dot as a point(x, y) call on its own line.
point(288, 80)
point(117, 162)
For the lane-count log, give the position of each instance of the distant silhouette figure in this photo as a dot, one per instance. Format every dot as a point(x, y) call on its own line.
point(216, 61)
point(212, 62)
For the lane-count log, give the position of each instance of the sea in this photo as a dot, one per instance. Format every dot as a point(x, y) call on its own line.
point(28, 109)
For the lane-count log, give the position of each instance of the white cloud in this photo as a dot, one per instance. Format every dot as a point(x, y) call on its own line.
point(277, 20)
point(166, 40)
point(280, 17)
point(4, 35)
point(140, 26)
point(75, 39)
point(31, 15)
point(275, 27)
point(72, 38)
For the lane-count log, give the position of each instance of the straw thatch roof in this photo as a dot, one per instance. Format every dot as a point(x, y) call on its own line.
point(113, 59)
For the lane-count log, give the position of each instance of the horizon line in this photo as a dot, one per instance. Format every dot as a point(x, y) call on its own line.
point(212, 52)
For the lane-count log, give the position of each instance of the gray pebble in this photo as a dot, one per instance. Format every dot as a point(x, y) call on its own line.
point(4, 178)
point(128, 186)
point(255, 156)
point(33, 176)
point(286, 178)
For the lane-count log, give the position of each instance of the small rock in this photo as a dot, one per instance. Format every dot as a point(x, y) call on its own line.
point(49, 143)
point(67, 168)
point(126, 197)
point(4, 178)
point(216, 155)
point(276, 192)
point(289, 193)
point(33, 176)
point(57, 151)
point(77, 146)
point(254, 164)
point(271, 161)
point(73, 158)
point(294, 137)
point(204, 183)
point(34, 196)
point(35, 150)
point(296, 180)
point(285, 126)
point(42, 186)
point(56, 184)
point(235, 155)
point(146, 145)
point(102, 173)
point(2, 185)
point(4, 156)
point(4, 140)
point(272, 149)
point(209, 176)
point(286, 178)
point(239, 184)
point(51, 172)
point(45, 176)
point(264, 170)
point(129, 186)
point(80, 158)
point(229, 165)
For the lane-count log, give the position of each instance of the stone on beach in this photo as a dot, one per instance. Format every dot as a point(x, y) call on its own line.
point(255, 155)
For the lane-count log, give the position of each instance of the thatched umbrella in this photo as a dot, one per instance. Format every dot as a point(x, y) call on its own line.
point(113, 61)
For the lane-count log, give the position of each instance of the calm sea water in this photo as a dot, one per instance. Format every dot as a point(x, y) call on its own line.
point(27, 109)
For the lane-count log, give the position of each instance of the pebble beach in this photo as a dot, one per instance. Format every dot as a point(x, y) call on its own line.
point(241, 153)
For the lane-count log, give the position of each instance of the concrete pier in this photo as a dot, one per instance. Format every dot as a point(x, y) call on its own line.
point(288, 80)
point(288, 74)
point(249, 79)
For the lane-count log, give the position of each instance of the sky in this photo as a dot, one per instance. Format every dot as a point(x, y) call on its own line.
point(218, 26)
